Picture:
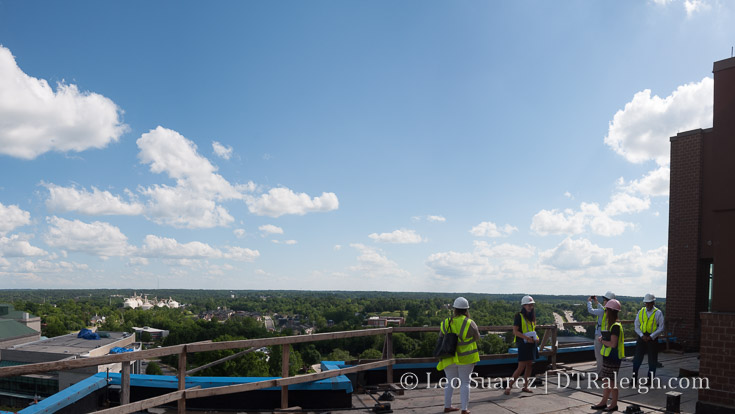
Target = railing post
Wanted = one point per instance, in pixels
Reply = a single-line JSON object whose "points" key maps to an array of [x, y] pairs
{"points": [[285, 351], [182, 381], [389, 353], [125, 383], [554, 347]]}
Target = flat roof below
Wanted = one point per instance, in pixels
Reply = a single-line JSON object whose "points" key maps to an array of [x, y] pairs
{"points": [[70, 344]]}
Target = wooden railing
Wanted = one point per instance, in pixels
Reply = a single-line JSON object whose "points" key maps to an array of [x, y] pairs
{"points": [[183, 393]]}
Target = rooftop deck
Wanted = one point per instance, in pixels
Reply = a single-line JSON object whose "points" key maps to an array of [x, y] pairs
{"points": [[554, 396]]}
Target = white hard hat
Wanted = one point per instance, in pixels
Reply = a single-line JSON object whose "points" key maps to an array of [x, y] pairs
{"points": [[527, 300], [461, 303], [609, 295], [649, 298]]}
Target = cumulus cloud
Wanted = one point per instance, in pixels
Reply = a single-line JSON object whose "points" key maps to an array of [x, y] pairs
{"points": [[504, 250], [267, 229], [222, 151], [641, 130], [288, 242], [576, 254], [37, 119], [655, 183], [12, 217], [96, 238], [239, 233], [438, 219], [17, 246], [372, 263], [590, 217], [193, 202], [490, 229], [169, 248], [486, 261], [95, 203], [280, 201], [695, 6], [398, 236], [183, 208]]}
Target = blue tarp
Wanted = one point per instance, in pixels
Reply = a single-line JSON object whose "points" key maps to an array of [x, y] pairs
{"points": [[119, 350], [87, 334]]}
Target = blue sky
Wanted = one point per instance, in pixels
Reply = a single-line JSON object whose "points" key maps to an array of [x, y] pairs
{"points": [[491, 147]]}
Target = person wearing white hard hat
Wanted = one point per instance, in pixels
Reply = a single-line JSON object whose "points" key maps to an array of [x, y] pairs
{"points": [[462, 363], [649, 324], [524, 327], [598, 309], [613, 352]]}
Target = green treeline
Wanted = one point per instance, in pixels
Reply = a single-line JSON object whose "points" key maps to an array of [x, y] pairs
{"points": [[64, 311]]}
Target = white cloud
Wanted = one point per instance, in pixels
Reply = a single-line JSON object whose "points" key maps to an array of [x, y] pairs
{"points": [[439, 219], [270, 229], [169, 152], [222, 151], [96, 238], [94, 203], [239, 233], [590, 216], [504, 251], [641, 130], [16, 246], [372, 263], [288, 242], [398, 236], [241, 254], [12, 217], [567, 194], [460, 265], [490, 229], [655, 183], [37, 120], [576, 254], [155, 246], [193, 202], [622, 203], [694, 6], [183, 208], [138, 261], [280, 201], [337, 247]]}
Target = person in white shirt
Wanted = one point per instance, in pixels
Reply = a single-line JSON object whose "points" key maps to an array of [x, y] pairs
{"points": [[649, 324], [598, 309]]}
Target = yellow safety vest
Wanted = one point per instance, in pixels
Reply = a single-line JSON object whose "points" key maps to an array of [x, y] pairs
{"points": [[603, 327], [526, 327], [467, 352], [605, 351], [648, 325]]}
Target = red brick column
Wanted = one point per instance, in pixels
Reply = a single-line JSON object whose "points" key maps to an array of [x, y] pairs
{"points": [[717, 362], [683, 267]]}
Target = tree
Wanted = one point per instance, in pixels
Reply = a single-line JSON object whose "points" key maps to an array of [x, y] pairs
{"points": [[153, 369], [339, 355], [371, 354]]}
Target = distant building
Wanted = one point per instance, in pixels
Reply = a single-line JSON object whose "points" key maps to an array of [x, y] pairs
{"points": [[156, 334], [8, 312], [15, 391], [384, 321], [700, 311]]}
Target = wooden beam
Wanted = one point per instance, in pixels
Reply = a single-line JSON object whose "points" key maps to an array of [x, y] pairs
{"points": [[285, 351], [389, 351], [143, 404], [125, 384], [219, 361], [182, 381]]}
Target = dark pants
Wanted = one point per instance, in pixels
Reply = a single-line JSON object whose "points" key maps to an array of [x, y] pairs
{"points": [[642, 348]]}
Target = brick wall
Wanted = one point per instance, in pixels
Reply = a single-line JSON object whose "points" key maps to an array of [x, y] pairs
{"points": [[683, 268], [717, 358]]}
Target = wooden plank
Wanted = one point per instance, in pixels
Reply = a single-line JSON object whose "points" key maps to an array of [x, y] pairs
{"points": [[143, 404], [87, 362], [296, 339], [285, 351], [125, 384], [231, 389], [389, 351], [219, 361], [182, 381]]}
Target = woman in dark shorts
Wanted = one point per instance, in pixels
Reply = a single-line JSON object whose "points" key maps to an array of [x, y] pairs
{"points": [[524, 327], [613, 351]]}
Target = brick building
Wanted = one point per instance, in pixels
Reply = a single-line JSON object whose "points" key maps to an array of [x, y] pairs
{"points": [[701, 263]]}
